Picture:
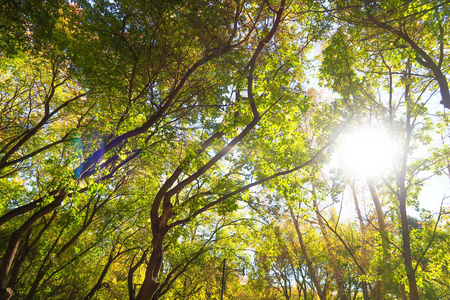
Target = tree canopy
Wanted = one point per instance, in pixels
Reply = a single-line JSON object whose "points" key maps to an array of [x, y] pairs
{"points": [[156, 149]]}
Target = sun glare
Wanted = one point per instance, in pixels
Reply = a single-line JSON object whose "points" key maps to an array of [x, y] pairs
{"points": [[367, 152]]}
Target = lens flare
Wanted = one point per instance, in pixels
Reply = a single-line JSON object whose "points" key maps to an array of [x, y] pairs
{"points": [[77, 159], [368, 152]]}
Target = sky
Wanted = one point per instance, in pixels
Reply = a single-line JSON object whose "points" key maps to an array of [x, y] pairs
{"points": [[435, 189]]}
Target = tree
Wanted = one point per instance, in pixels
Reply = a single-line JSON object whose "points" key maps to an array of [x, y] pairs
{"points": [[393, 70], [132, 131], [148, 83], [421, 31]]}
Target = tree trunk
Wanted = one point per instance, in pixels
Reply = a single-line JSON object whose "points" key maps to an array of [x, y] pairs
{"points": [[10, 252], [6, 294], [151, 284], [377, 290], [45, 265], [99, 284], [402, 194], [364, 255], [133, 268], [426, 61], [334, 263], [407, 256], [311, 270]]}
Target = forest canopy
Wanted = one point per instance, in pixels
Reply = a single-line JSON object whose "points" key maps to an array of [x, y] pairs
{"points": [[158, 149]]}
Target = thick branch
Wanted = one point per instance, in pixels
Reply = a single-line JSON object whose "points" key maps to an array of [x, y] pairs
{"points": [[256, 183], [427, 61]]}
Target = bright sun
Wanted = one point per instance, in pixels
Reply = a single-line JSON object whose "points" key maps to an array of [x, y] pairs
{"points": [[367, 151]]}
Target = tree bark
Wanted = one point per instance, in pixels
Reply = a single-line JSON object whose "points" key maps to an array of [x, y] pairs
{"points": [[99, 283], [365, 259], [151, 284], [159, 219], [311, 270], [133, 268], [11, 250], [427, 61], [406, 247], [378, 290], [6, 294], [334, 263], [403, 191]]}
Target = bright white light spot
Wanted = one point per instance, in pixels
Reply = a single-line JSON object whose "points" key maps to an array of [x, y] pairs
{"points": [[368, 151], [243, 279]]}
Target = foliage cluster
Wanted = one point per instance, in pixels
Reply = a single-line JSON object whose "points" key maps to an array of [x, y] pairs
{"points": [[143, 143]]}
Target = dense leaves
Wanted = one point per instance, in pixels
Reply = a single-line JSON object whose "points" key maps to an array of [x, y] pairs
{"points": [[146, 144]]}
